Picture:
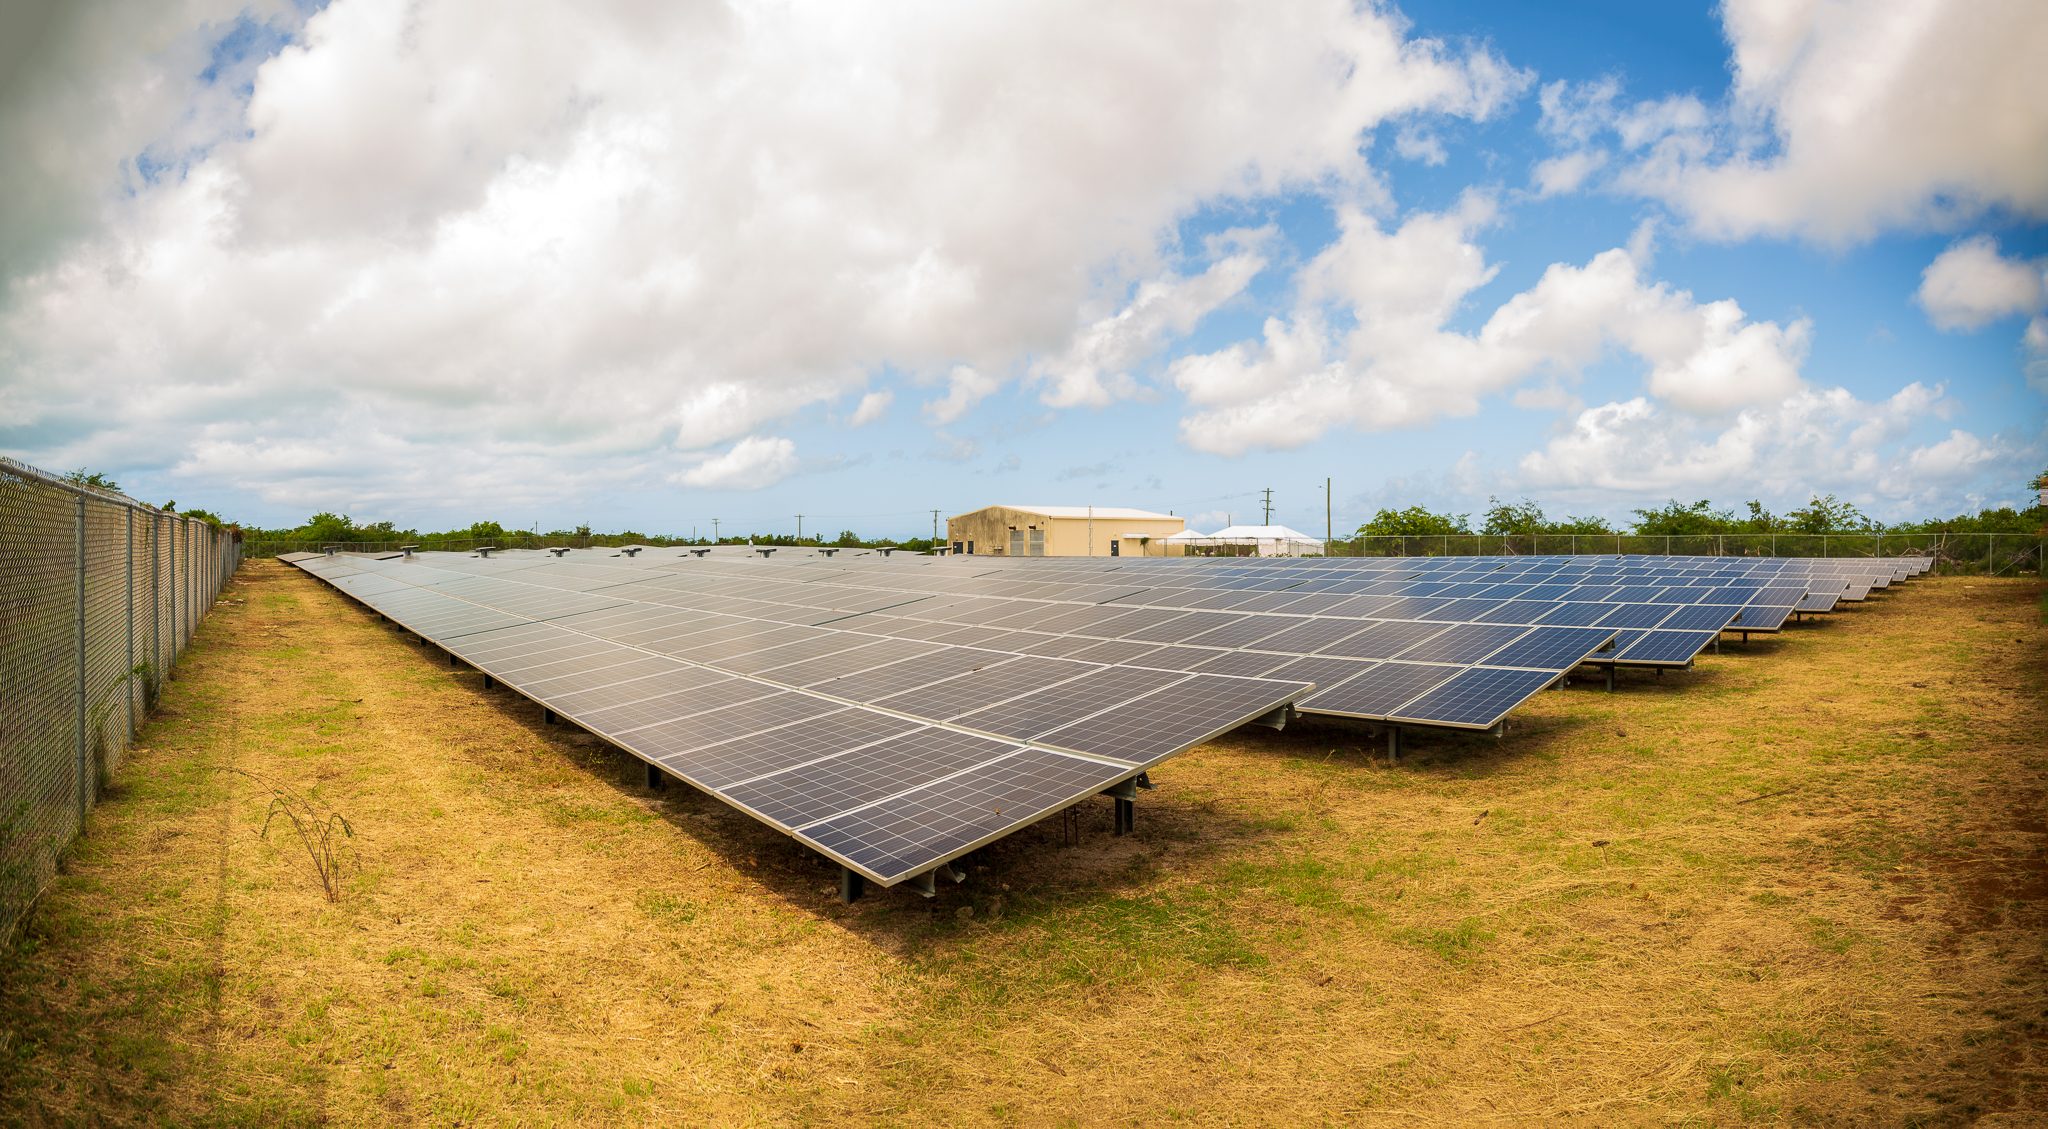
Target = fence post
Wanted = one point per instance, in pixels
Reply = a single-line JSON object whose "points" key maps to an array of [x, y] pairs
{"points": [[128, 673], [1823, 544], [156, 599], [1667, 544], [1990, 553], [78, 610]]}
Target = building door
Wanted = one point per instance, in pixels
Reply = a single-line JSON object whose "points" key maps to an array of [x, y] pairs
{"points": [[1016, 542], [1037, 541], [959, 547], [1116, 547]]}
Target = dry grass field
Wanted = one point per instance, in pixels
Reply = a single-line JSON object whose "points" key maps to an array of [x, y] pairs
{"points": [[1805, 882]]}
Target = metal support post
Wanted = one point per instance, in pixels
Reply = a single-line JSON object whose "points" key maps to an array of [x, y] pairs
{"points": [[1610, 678], [78, 621], [489, 682], [547, 716], [1393, 744], [156, 600], [1126, 816], [656, 778], [128, 672], [851, 886]]}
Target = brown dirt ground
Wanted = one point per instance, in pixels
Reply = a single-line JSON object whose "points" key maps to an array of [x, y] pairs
{"points": [[1807, 881]]}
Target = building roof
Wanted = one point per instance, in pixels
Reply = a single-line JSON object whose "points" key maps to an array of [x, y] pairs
{"points": [[1262, 533], [1100, 513]]}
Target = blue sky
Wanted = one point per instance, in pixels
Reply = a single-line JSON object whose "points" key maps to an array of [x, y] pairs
{"points": [[647, 270]]}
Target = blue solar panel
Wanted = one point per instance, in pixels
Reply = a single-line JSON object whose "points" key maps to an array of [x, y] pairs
{"points": [[1665, 648], [1465, 643], [1552, 648], [1700, 617], [1761, 617], [1379, 690], [1475, 698], [1582, 613], [1634, 615]]}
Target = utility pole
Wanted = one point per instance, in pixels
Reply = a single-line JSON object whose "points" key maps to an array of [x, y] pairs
{"points": [[714, 531], [799, 529], [1327, 530], [1269, 505], [935, 529]]}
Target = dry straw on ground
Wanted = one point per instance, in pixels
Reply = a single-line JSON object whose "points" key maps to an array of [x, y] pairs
{"points": [[1804, 882]]}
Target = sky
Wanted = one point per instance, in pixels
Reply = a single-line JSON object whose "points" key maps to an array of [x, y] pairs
{"points": [[650, 265]]}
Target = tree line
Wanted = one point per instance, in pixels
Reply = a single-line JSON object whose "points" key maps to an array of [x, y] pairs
{"points": [[1821, 514]]}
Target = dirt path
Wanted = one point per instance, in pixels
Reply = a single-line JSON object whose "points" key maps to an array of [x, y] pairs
{"points": [[1804, 882]]}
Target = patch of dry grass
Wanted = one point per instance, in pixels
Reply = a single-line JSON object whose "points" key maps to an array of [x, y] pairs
{"points": [[1803, 882]]}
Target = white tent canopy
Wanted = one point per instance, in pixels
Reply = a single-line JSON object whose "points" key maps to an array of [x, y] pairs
{"points": [[1268, 540]]}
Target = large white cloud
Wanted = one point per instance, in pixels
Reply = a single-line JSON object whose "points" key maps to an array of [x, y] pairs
{"points": [[753, 463], [616, 229], [1369, 345], [1848, 117], [1813, 441], [1971, 284]]}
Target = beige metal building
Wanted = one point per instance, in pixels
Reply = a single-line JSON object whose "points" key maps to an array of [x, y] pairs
{"points": [[1063, 531]]}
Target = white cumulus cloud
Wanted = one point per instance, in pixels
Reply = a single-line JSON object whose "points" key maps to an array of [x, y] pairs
{"points": [[1971, 285], [620, 230], [1846, 118], [1369, 347], [1814, 441], [872, 407], [752, 463]]}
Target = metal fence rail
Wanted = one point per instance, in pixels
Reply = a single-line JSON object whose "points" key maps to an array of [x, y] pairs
{"points": [[98, 595]]}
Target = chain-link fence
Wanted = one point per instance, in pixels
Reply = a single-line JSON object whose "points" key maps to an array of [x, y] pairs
{"points": [[98, 595], [514, 539], [1980, 554]]}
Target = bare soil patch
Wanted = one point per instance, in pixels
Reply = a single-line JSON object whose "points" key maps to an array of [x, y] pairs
{"points": [[1807, 881]]}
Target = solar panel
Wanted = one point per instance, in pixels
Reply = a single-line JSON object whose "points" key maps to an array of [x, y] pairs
{"points": [[824, 788], [982, 642], [882, 681], [892, 838], [776, 750], [1699, 617], [985, 687], [1636, 615], [1664, 648], [1552, 648], [1046, 710], [1379, 690], [1384, 640], [668, 739], [1465, 643], [1474, 699], [1761, 617], [1147, 728]]}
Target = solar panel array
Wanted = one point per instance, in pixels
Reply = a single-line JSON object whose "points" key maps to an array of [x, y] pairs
{"points": [[894, 714], [888, 754]]}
